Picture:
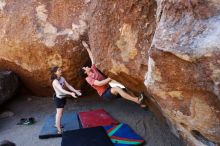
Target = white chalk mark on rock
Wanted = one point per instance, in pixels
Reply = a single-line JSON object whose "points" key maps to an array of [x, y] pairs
{"points": [[2, 4], [48, 33]]}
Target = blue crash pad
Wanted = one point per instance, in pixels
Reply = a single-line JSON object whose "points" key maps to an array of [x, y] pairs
{"points": [[69, 121]]}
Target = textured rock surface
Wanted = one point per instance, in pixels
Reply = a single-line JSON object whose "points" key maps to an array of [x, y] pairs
{"points": [[120, 35], [8, 85], [37, 34], [171, 51], [183, 67]]}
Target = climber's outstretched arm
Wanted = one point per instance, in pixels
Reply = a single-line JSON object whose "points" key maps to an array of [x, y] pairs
{"points": [[89, 51]]}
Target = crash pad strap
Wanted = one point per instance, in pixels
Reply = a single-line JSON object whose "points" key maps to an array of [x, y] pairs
{"points": [[121, 140], [114, 129]]}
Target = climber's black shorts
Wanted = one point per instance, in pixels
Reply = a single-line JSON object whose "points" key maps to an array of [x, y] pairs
{"points": [[108, 95], [60, 102]]}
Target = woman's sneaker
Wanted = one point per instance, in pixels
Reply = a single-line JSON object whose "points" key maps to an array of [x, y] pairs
{"points": [[60, 132]]}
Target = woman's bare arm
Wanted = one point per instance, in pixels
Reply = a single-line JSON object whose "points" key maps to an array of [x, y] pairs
{"points": [[72, 89], [59, 87]]}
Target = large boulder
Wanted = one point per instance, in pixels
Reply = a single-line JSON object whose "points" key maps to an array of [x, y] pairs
{"points": [[184, 67], [170, 50], [8, 85], [120, 36], [38, 34]]}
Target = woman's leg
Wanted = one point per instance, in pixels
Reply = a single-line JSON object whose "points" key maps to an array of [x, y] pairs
{"points": [[117, 90], [59, 114]]}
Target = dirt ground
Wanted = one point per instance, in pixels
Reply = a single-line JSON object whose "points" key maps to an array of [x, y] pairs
{"points": [[143, 122]]}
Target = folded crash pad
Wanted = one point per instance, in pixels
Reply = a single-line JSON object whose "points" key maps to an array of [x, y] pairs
{"points": [[95, 136], [94, 118], [69, 122], [123, 135]]}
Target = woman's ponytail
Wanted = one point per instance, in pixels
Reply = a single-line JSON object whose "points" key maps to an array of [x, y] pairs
{"points": [[53, 71]]}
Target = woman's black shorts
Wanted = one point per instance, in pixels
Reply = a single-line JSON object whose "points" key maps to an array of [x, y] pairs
{"points": [[60, 102]]}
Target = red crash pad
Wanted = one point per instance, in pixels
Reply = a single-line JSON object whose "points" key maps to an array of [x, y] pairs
{"points": [[94, 118]]}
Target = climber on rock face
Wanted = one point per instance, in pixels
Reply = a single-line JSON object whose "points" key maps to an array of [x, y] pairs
{"points": [[101, 83]]}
